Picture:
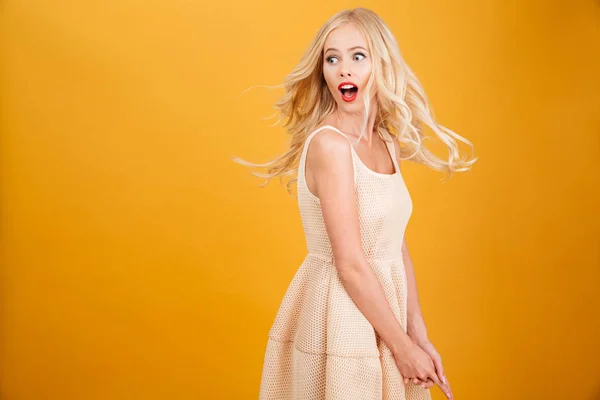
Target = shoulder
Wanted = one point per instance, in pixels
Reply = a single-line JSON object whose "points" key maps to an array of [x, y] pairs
{"points": [[331, 141], [329, 150]]}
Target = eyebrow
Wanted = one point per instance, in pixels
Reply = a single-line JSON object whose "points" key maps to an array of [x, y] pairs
{"points": [[350, 49]]}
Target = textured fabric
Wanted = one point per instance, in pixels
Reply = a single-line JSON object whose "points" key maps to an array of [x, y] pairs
{"points": [[320, 345]]}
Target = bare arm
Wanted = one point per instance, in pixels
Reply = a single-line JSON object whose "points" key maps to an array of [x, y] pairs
{"points": [[332, 176], [416, 328]]}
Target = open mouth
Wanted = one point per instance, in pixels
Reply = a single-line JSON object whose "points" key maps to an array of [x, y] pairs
{"points": [[349, 91]]}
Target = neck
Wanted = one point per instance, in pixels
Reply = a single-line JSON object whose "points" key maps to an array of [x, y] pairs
{"points": [[352, 123]]}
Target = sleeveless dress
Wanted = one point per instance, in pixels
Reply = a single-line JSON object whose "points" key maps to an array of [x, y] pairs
{"points": [[320, 345]]}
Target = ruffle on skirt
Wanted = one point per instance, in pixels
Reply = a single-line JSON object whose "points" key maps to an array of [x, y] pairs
{"points": [[321, 346]]}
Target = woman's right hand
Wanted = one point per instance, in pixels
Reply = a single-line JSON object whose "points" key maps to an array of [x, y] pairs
{"points": [[414, 362]]}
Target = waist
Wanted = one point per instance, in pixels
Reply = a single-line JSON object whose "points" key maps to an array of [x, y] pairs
{"points": [[327, 257]]}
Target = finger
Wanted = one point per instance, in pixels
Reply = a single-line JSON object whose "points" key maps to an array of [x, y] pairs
{"points": [[426, 384], [443, 387], [439, 368], [415, 381], [449, 389], [418, 382]]}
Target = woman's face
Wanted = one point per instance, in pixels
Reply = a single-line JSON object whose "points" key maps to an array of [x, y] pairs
{"points": [[346, 67]]}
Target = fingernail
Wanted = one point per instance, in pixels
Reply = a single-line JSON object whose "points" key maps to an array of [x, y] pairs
{"points": [[449, 395]]}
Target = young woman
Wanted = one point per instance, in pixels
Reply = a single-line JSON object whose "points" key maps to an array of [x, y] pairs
{"points": [[350, 326]]}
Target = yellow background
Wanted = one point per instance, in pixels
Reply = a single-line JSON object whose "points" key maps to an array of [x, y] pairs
{"points": [[139, 262]]}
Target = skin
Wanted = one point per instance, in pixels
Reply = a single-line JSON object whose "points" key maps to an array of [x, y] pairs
{"points": [[330, 176]]}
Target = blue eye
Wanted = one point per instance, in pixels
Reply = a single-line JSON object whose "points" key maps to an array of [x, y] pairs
{"points": [[331, 58], [360, 54]]}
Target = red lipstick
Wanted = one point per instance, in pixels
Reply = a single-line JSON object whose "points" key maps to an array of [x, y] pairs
{"points": [[349, 91]]}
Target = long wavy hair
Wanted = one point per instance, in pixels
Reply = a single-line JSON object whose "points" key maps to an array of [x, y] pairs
{"points": [[402, 106]]}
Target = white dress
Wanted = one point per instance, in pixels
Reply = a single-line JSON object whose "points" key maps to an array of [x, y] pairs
{"points": [[320, 345]]}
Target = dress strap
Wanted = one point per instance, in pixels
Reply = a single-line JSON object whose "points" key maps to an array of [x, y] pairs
{"points": [[392, 150], [333, 128]]}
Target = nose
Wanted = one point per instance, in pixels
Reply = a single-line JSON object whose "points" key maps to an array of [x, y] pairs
{"points": [[345, 71]]}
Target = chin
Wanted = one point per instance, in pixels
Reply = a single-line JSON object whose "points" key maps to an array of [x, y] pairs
{"points": [[353, 106]]}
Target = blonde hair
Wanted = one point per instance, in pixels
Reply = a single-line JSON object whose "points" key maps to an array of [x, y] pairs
{"points": [[402, 104]]}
